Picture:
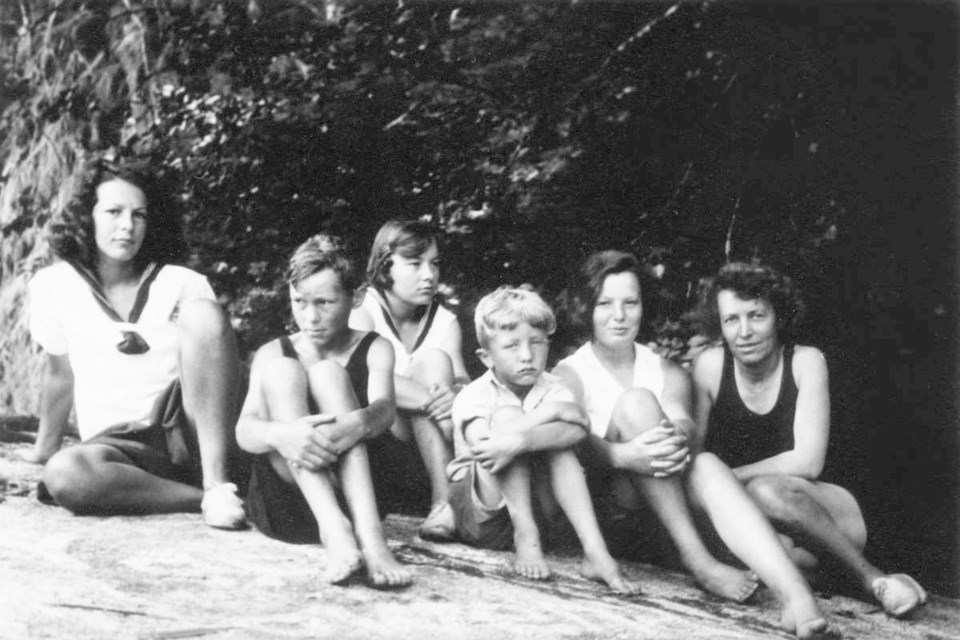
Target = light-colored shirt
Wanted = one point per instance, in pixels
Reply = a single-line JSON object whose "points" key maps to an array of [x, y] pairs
{"points": [[111, 387], [601, 390], [486, 394], [434, 334]]}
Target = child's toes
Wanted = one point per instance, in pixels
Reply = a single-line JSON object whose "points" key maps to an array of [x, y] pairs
{"points": [[391, 579]]}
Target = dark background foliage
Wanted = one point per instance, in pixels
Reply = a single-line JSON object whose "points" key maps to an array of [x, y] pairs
{"points": [[819, 137]]}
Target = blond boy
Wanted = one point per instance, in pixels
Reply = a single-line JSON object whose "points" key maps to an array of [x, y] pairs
{"points": [[514, 432]]}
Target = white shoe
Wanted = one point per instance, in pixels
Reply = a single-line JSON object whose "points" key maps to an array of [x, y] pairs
{"points": [[222, 508], [898, 593]]}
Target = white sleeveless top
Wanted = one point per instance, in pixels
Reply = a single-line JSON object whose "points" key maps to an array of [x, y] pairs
{"points": [[437, 326], [601, 390]]}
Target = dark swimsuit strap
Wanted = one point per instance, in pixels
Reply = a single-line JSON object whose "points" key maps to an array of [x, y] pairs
{"points": [[132, 343]]}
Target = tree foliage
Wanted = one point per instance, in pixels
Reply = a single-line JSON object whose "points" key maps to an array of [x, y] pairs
{"points": [[532, 133]]}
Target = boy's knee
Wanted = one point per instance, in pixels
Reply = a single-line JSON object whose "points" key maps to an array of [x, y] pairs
{"points": [[67, 476], [328, 375], [283, 373], [637, 410], [503, 415]]}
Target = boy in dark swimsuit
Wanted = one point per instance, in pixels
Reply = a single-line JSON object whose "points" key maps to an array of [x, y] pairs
{"points": [[315, 397], [763, 407]]}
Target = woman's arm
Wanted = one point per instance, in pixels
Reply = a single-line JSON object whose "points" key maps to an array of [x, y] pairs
{"points": [[707, 369], [811, 422], [56, 400], [453, 347]]}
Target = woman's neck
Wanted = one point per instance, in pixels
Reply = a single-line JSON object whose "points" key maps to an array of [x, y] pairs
{"points": [[614, 357], [763, 370], [114, 273], [401, 310]]}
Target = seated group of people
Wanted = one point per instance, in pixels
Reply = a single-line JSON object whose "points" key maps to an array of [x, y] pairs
{"points": [[368, 409]]}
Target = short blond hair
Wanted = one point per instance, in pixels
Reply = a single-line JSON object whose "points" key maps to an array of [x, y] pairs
{"points": [[506, 307]]}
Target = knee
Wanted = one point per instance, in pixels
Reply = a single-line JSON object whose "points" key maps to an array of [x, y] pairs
{"points": [[327, 374], [637, 410], [282, 375], [202, 317], [778, 497], [432, 366], [705, 467], [68, 477]]}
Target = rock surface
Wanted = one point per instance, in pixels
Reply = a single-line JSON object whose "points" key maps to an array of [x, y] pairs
{"points": [[163, 577]]}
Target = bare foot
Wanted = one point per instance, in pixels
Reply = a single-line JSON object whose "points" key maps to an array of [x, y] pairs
{"points": [[340, 567], [384, 571], [604, 568], [725, 581], [812, 623], [530, 562]]}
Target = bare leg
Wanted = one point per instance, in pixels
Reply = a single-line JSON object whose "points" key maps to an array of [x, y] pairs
{"points": [[570, 489], [330, 385], [210, 377], [515, 485], [751, 537], [99, 479], [827, 520], [637, 411], [432, 368], [285, 391]]}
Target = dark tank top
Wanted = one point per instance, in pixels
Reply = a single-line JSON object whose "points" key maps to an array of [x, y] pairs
{"points": [[737, 435], [356, 367]]}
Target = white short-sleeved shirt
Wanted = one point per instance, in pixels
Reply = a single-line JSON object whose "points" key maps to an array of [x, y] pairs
{"points": [[436, 329], [483, 396], [601, 390], [111, 387]]}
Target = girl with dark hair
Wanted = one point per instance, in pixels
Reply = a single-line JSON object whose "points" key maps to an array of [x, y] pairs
{"points": [[640, 408], [403, 274], [142, 351]]}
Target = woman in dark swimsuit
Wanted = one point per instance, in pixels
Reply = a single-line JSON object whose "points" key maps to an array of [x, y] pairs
{"points": [[763, 407]]}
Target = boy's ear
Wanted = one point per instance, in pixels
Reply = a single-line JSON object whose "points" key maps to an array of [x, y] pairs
{"points": [[358, 295], [484, 358]]}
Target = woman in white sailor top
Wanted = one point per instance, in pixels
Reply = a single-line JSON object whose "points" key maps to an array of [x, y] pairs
{"points": [[143, 352], [401, 304]]}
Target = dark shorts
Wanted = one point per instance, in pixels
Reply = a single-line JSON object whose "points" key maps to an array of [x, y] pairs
{"points": [[167, 448], [278, 509]]}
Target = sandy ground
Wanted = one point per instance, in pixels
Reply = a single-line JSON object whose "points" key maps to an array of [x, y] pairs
{"points": [[162, 577]]}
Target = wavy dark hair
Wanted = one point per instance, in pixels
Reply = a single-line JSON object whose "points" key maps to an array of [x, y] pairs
{"points": [[753, 282], [72, 235], [409, 238], [579, 300]]}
